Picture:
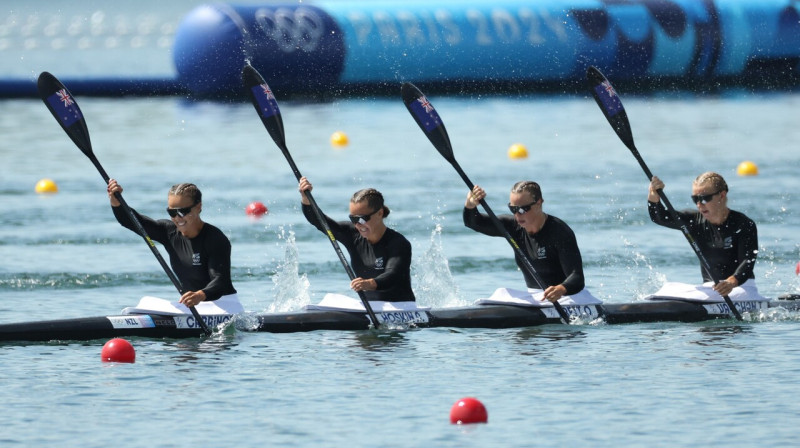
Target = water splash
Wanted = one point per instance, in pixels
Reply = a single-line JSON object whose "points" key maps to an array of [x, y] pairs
{"points": [[434, 285], [773, 314], [648, 284], [643, 277], [248, 37], [291, 288], [774, 260]]}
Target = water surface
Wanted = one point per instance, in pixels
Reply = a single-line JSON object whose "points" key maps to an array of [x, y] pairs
{"points": [[706, 384]]}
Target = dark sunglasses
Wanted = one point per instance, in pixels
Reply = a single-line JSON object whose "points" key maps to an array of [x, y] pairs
{"points": [[704, 198], [521, 209], [361, 219], [182, 212]]}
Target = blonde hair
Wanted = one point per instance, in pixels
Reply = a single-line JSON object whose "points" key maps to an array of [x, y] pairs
{"points": [[714, 179], [187, 189]]}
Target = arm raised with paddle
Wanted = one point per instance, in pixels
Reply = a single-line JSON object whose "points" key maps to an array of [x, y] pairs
{"points": [[609, 102], [730, 236], [65, 110], [431, 124], [267, 107]]}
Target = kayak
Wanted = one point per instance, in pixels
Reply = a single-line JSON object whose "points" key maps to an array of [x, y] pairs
{"points": [[482, 316]]}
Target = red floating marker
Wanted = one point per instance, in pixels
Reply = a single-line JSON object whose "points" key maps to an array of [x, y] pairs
{"points": [[797, 269], [256, 209], [468, 410], [118, 350]]}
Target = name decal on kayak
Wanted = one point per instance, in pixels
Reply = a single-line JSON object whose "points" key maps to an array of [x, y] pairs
{"points": [[582, 311], [133, 321], [182, 322], [189, 321], [743, 307], [402, 317]]}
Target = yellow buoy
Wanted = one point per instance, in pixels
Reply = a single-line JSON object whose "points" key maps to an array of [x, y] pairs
{"points": [[517, 151], [339, 139], [747, 168], [46, 186]]}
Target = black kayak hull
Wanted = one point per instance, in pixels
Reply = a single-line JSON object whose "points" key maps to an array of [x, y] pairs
{"points": [[87, 328], [485, 316], [497, 316]]}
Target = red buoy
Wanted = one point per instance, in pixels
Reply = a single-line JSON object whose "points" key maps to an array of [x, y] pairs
{"points": [[468, 410], [797, 268], [256, 209], [118, 350]]}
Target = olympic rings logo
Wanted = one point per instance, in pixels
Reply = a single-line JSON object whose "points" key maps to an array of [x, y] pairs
{"points": [[291, 29]]}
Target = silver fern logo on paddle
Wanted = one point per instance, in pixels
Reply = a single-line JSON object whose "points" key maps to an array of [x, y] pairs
{"points": [[196, 259], [379, 263]]}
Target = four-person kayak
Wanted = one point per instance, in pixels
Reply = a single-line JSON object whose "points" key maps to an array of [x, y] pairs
{"points": [[478, 316]]}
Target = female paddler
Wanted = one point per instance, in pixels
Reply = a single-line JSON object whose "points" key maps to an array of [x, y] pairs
{"points": [[199, 253], [547, 240], [727, 238], [380, 256]]}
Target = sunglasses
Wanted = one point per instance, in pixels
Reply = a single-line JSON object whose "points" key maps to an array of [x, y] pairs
{"points": [[521, 209], [361, 219], [182, 212], [704, 198]]}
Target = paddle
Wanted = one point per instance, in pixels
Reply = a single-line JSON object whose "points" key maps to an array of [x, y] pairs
{"points": [[267, 107], [431, 124], [65, 109], [611, 105]]}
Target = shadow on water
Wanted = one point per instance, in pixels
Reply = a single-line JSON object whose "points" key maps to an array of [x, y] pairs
{"points": [[191, 350], [381, 340], [721, 335], [540, 339]]}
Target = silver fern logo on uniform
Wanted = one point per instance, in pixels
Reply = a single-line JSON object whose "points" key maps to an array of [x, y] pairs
{"points": [[379, 263], [541, 253], [196, 259], [727, 242]]}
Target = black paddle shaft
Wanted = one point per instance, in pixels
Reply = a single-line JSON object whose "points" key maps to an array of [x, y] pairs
{"points": [[267, 107], [65, 109], [431, 124], [611, 105]]}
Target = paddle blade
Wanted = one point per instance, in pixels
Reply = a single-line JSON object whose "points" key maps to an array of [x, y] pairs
{"points": [[428, 119], [65, 110], [611, 105], [265, 103]]}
